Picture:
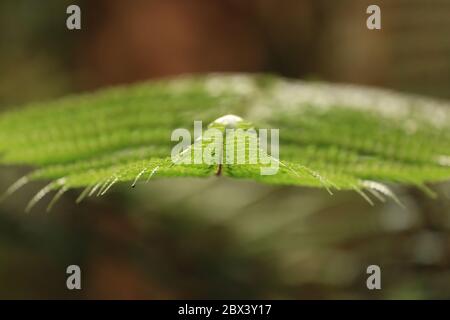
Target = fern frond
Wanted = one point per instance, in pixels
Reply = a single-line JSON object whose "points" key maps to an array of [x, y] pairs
{"points": [[331, 136]]}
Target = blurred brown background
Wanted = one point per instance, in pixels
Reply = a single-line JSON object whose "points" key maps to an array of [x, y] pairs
{"points": [[217, 238]]}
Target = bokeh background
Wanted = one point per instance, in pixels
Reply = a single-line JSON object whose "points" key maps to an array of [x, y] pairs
{"points": [[219, 238]]}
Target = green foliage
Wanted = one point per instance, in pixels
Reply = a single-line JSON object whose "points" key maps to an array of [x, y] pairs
{"points": [[331, 136]]}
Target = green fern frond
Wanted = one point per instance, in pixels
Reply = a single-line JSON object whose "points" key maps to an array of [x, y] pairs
{"points": [[331, 136]]}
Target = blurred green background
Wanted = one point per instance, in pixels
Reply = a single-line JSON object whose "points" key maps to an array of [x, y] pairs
{"points": [[220, 238]]}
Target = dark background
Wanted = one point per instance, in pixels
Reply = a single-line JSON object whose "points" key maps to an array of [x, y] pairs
{"points": [[218, 238]]}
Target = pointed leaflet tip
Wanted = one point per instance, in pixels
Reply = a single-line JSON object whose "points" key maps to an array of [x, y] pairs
{"points": [[152, 173], [137, 177], [84, 194], [14, 187], [364, 195], [109, 186], [96, 186], [56, 198], [43, 192], [378, 187], [377, 195]]}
